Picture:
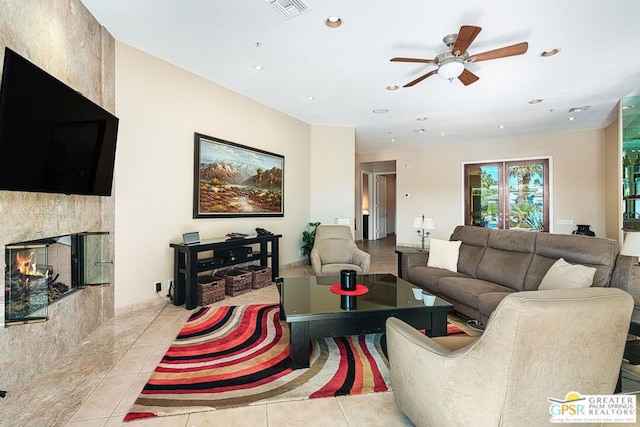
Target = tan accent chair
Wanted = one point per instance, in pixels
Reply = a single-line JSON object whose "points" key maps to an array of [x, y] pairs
{"points": [[334, 249], [537, 345]]}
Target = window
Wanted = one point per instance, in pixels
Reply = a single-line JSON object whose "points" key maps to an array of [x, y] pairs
{"points": [[508, 195]]}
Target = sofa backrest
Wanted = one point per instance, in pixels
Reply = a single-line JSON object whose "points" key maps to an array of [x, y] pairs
{"points": [[474, 242], [507, 258], [520, 259], [597, 252]]}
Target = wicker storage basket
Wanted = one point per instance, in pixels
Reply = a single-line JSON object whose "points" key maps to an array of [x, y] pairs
{"points": [[237, 282], [260, 276], [210, 289]]}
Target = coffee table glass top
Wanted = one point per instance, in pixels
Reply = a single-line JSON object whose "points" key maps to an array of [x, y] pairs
{"points": [[309, 296]]}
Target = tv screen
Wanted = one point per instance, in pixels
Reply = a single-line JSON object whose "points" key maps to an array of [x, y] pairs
{"points": [[52, 139]]}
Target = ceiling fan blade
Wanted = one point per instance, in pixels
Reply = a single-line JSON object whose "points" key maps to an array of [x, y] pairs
{"points": [[467, 77], [425, 61], [516, 49], [421, 78], [466, 36]]}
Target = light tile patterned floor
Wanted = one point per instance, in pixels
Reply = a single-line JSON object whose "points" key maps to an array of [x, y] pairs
{"points": [[97, 384]]}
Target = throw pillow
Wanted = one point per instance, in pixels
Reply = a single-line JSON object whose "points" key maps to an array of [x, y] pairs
{"points": [[563, 275], [444, 254]]}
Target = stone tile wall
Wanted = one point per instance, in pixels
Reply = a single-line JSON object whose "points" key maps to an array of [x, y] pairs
{"points": [[63, 38]]}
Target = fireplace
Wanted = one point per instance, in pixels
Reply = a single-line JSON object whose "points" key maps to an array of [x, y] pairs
{"points": [[40, 272]]}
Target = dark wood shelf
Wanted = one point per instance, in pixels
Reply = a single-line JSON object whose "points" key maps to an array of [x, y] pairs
{"points": [[187, 265]]}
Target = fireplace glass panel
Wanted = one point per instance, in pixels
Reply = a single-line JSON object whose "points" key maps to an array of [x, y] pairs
{"points": [[40, 272], [37, 274], [96, 261]]}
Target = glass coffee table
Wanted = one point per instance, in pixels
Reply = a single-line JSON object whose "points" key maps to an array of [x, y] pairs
{"points": [[314, 311]]}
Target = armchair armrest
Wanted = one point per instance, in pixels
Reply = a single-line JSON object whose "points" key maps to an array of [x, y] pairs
{"points": [[361, 258], [316, 264], [452, 379]]}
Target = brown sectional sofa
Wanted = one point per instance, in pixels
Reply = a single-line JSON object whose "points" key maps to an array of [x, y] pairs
{"points": [[493, 263]]}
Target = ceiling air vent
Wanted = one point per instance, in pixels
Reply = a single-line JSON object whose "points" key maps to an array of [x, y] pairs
{"points": [[579, 109], [289, 8]]}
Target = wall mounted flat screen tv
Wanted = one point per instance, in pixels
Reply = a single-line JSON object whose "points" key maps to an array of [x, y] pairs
{"points": [[52, 139]]}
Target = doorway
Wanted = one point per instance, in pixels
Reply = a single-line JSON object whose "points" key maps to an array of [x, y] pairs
{"points": [[378, 199], [508, 194]]}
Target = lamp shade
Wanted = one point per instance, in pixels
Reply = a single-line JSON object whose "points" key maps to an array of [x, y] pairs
{"points": [[631, 245], [423, 223], [451, 69]]}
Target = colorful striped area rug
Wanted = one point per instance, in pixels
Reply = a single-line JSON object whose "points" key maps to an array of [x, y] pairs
{"points": [[234, 356], [239, 355]]}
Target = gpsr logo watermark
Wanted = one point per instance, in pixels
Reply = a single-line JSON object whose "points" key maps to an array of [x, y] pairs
{"points": [[574, 408]]}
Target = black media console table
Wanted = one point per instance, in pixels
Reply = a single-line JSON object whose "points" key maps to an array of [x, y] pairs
{"points": [[186, 264]]}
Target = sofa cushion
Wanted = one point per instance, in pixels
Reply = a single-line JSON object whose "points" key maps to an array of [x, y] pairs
{"points": [[428, 277], [474, 242], [507, 258], [563, 275], [444, 254], [467, 290]]}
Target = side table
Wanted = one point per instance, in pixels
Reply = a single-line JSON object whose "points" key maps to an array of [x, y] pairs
{"points": [[401, 250], [632, 348]]}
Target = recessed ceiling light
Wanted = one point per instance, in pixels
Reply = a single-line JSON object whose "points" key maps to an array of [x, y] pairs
{"points": [[421, 119], [442, 134], [549, 52], [393, 140], [392, 87], [571, 119], [501, 127], [258, 67], [380, 111], [309, 98], [333, 22], [535, 101]]}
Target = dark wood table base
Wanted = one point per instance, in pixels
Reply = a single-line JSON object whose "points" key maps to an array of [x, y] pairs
{"points": [[301, 333]]}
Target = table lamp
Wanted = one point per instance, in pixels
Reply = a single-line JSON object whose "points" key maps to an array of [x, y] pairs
{"points": [[631, 248], [424, 226], [631, 245]]}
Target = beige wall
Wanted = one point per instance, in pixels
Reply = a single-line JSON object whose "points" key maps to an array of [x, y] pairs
{"points": [[332, 174], [62, 38], [433, 177], [160, 107]]}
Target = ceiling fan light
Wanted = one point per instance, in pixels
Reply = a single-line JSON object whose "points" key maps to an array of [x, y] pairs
{"points": [[451, 69]]}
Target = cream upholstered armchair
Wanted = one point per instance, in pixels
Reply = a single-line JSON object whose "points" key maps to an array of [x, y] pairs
{"points": [[537, 345], [334, 249]]}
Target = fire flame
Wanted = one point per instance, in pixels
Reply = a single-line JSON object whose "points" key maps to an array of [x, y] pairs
{"points": [[26, 265]]}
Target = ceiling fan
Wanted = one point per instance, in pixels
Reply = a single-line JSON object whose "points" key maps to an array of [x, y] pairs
{"points": [[451, 63]]}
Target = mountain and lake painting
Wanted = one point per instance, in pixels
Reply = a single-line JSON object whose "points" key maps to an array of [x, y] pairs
{"points": [[233, 180]]}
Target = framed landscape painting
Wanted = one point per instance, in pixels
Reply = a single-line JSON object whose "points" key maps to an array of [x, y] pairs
{"points": [[233, 180]]}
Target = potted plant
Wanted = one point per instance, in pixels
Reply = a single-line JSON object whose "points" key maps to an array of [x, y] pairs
{"points": [[308, 239]]}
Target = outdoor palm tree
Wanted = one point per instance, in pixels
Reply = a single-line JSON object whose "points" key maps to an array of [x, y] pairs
{"points": [[523, 174]]}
